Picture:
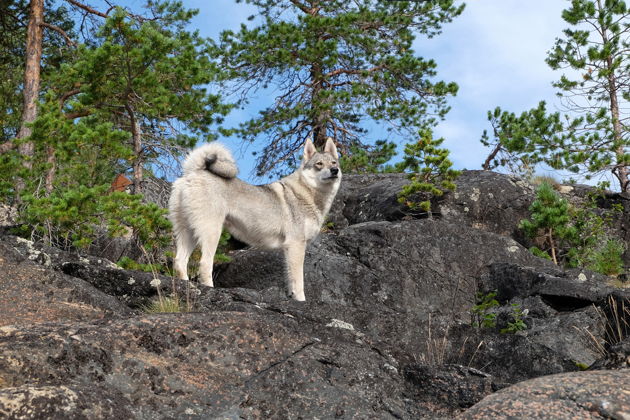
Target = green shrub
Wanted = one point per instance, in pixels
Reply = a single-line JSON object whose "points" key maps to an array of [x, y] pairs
{"points": [[482, 316], [71, 218], [517, 323], [572, 236]]}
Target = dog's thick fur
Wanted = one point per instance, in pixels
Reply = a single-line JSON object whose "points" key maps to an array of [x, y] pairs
{"points": [[285, 214]]}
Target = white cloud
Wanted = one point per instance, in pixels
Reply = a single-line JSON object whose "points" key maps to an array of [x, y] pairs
{"points": [[495, 51]]}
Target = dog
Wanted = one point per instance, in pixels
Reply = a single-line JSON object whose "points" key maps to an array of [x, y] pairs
{"points": [[285, 214]]}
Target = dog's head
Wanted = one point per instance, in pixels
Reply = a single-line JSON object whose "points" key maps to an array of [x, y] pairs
{"points": [[321, 167]]}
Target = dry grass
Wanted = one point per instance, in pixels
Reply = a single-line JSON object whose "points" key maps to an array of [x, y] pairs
{"points": [[616, 320], [166, 304], [174, 303], [438, 349]]}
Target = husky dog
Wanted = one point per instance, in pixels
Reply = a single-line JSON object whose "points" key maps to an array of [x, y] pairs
{"points": [[285, 214]]}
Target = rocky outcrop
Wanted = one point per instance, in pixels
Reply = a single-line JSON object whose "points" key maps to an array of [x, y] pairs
{"points": [[386, 331], [484, 200], [211, 365]]}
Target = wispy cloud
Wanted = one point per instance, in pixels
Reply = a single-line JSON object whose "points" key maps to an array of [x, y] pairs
{"points": [[496, 53]]}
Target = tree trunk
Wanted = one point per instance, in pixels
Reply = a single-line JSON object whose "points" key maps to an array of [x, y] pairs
{"points": [[621, 171], [491, 156], [31, 76], [136, 136], [319, 118]]}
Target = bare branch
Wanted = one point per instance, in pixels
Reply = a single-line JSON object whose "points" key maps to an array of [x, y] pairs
{"points": [[63, 33], [63, 98], [88, 8]]}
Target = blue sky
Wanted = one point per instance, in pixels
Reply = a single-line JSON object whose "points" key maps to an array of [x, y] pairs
{"points": [[494, 51]]}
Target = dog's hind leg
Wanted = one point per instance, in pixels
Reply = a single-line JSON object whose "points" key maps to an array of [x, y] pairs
{"points": [[294, 256], [209, 242], [185, 245]]}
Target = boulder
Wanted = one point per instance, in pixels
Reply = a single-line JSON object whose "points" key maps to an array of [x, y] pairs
{"points": [[30, 293], [579, 395], [210, 365], [362, 276], [485, 200]]}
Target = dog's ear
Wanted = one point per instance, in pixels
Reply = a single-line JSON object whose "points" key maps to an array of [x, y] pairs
{"points": [[309, 150], [331, 148]]}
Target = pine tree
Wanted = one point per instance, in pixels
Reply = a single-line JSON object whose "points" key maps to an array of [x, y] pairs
{"points": [[14, 15], [336, 64], [147, 78], [430, 170], [549, 222], [133, 95], [593, 137]]}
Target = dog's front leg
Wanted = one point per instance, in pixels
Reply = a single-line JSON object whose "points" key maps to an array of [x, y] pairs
{"points": [[294, 256]]}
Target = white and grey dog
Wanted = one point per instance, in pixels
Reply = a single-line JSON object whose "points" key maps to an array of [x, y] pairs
{"points": [[285, 214]]}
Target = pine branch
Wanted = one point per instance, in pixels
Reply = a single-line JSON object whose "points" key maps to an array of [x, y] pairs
{"points": [[63, 33], [88, 8]]}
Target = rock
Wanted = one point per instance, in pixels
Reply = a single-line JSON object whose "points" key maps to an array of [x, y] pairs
{"points": [[367, 198], [484, 200], [454, 387], [509, 358], [363, 276], [30, 293], [113, 249], [8, 215], [489, 201], [617, 356], [133, 288], [563, 290], [579, 395], [62, 402], [212, 365]]}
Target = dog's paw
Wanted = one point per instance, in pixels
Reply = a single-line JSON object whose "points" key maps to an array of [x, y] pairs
{"points": [[298, 296]]}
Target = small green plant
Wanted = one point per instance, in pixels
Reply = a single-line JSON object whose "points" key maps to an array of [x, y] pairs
{"points": [[549, 222], [220, 256], [482, 315], [429, 170], [517, 323], [608, 260], [581, 366]]}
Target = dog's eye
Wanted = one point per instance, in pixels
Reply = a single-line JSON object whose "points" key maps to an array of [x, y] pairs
{"points": [[334, 162], [319, 163]]}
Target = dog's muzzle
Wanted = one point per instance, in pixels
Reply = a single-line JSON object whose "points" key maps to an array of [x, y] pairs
{"points": [[334, 172]]}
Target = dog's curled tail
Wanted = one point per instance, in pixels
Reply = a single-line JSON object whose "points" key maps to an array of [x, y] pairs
{"points": [[212, 157]]}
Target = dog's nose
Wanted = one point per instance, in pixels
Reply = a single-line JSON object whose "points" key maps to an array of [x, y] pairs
{"points": [[334, 171]]}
